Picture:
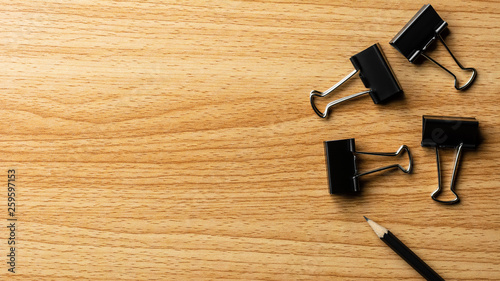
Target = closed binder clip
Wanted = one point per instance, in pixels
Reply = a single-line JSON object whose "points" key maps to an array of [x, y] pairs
{"points": [[419, 33], [343, 175], [454, 132], [376, 74]]}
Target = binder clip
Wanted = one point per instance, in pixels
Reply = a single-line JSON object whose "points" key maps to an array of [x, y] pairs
{"points": [[419, 33], [375, 73], [455, 132], [343, 175]]}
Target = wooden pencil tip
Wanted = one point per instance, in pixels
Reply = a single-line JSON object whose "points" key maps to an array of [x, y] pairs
{"points": [[367, 219], [379, 230]]}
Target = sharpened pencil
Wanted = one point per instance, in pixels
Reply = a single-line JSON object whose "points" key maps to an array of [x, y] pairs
{"points": [[404, 252]]}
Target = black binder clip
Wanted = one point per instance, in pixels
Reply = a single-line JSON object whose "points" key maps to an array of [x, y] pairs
{"points": [[343, 176], [456, 132], [419, 33], [376, 74]]}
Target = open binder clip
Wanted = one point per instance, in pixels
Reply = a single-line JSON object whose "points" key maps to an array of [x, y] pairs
{"points": [[376, 74], [457, 132], [419, 33], [343, 175]]}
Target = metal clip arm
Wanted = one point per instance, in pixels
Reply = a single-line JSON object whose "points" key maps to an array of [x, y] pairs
{"points": [[474, 71], [315, 93], [401, 149], [453, 177]]}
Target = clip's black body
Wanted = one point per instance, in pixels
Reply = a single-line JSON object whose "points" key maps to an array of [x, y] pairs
{"points": [[342, 169], [375, 73], [419, 33], [341, 166], [443, 131], [454, 132]]}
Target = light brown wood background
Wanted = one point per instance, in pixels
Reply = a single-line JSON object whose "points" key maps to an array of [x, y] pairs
{"points": [[174, 140]]}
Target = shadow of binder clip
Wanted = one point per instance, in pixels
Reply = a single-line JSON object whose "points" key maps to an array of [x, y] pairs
{"points": [[454, 132], [375, 73], [343, 175], [419, 33]]}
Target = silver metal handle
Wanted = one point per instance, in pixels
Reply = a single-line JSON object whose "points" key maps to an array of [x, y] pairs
{"points": [[474, 71], [315, 93], [401, 149], [453, 177]]}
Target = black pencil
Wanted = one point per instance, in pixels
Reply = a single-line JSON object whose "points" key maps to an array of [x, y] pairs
{"points": [[397, 246]]}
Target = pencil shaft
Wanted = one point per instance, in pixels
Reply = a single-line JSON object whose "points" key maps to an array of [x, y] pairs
{"points": [[410, 257]]}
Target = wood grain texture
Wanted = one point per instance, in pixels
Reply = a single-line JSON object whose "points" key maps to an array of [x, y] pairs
{"points": [[169, 140]]}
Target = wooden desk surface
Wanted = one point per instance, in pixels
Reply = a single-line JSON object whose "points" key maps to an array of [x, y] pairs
{"points": [[153, 140]]}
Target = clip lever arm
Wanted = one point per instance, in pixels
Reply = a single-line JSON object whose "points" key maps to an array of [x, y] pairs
{"points": [[400, 150], [473, 70], [453, 177], [315, 93]]}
